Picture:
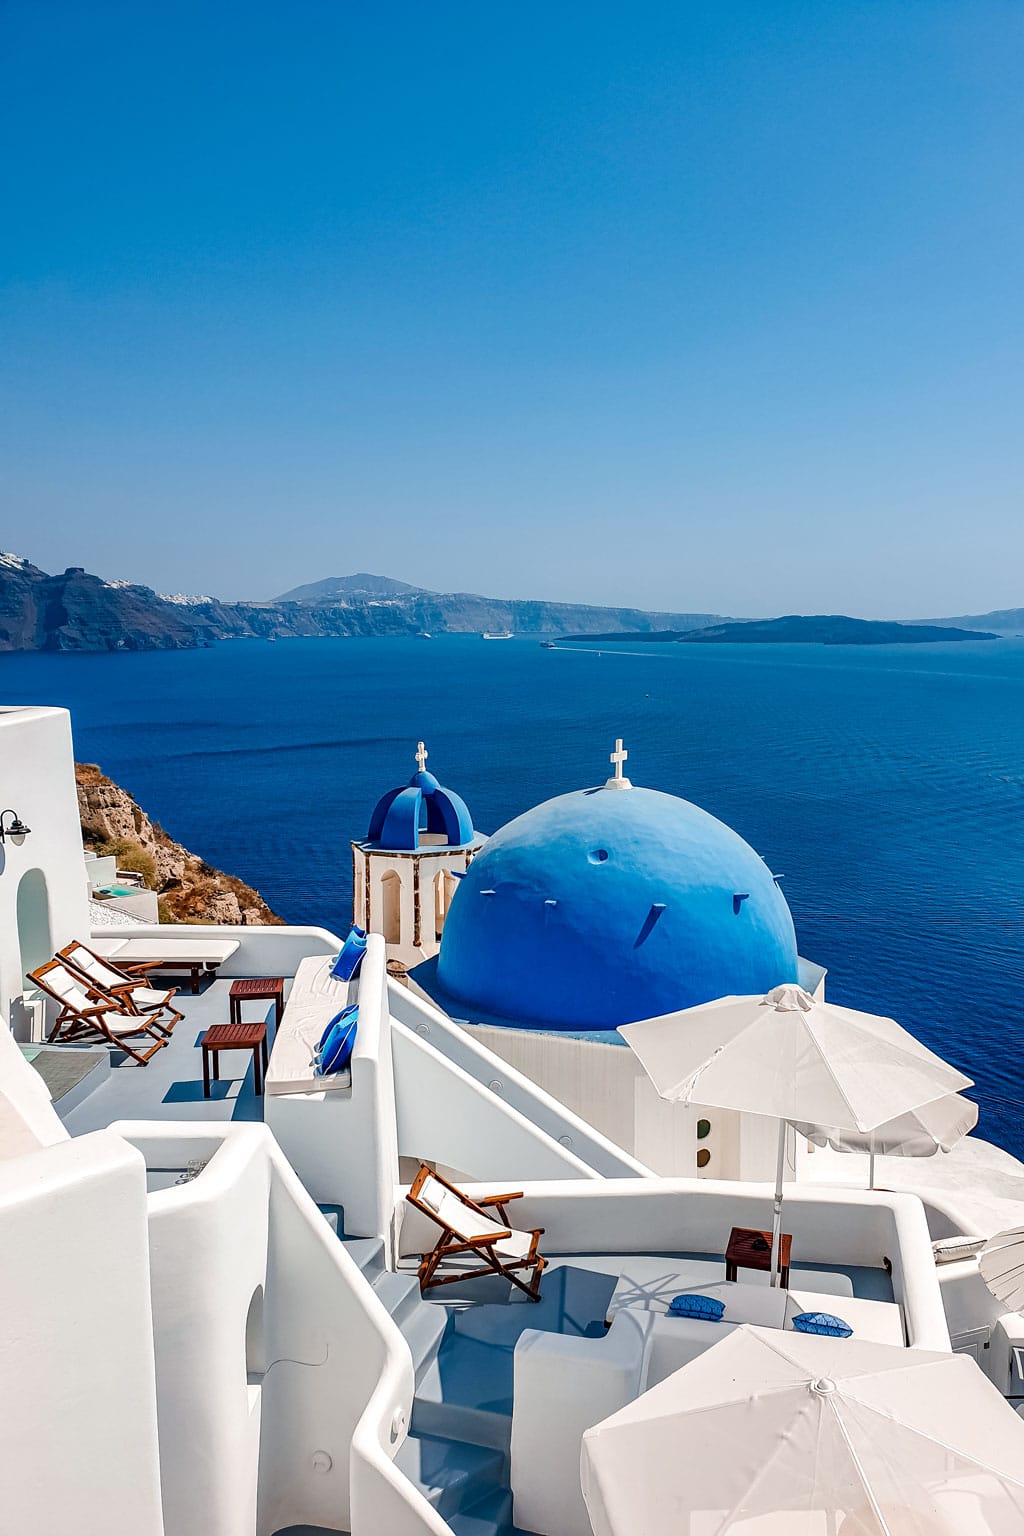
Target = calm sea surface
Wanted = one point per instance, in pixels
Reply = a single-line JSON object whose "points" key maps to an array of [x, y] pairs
{"points": [[887, 784]]}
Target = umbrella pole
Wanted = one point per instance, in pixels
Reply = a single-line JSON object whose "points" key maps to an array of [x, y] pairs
{"points": [[871, 1167], [777, 1214]]}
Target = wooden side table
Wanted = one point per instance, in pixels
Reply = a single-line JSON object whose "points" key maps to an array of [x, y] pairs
{"points": [[750, 1249], [234, 1037], [256, 989]]}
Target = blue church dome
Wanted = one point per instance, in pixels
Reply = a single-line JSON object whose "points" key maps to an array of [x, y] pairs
{"points": [[609, 905], [421, 809]]}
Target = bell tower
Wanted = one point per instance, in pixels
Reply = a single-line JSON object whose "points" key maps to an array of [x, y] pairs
{"points": [[405, 871]]}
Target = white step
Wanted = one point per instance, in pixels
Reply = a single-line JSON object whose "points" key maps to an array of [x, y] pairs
{"points": [[451, 1475]]}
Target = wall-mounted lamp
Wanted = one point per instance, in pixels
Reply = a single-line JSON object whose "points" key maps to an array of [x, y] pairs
{"points": [[13, 828]]}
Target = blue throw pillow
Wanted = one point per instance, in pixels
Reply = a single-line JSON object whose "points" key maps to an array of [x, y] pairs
{"points": [[334, 1052], [822, 1322], [351, 955], [339, 1018], [708, 1308]]}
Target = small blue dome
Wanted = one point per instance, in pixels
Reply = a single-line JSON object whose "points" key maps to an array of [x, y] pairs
{"points": [[423, 806], [609, 905]]}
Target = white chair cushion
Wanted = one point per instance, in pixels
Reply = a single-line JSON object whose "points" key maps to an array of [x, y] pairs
{"points": [[466, 1223], [102, 974], [119, 1023], [148, 997], [947, 1250]]}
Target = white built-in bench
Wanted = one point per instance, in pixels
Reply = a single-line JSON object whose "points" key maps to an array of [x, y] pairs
{"points": [[315, 997]]}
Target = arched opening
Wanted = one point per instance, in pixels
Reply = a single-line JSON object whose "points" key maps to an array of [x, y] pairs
{"points": [[255, 1348], [444, 889], [35, 940], [391, 906]]}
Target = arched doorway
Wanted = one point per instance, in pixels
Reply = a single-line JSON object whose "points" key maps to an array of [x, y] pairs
{"points": [[391, 906], [35, 940]]}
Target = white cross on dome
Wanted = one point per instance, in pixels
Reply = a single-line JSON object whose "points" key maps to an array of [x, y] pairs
{"points": [[421, 756], [618, 757]]}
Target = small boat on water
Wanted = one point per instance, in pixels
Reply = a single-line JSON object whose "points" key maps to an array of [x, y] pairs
{"points": [[547, 645], [506, 635], [424, 634]]}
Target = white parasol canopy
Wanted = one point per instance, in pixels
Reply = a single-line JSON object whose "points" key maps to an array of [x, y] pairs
{"points": [[793, 1058], [1002, 1267], [921, 1132], [782, 1434], [935, 1127]]}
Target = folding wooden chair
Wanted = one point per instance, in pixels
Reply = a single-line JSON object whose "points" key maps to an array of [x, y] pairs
{"points": [[468, 1232], [85, 1009], [134, 991]]}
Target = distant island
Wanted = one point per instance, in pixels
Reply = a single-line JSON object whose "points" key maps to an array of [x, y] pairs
{"points": [[78, 611], [804, 629]]}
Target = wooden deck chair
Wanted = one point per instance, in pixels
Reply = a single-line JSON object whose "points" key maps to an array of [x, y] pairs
{"points": [[133, 991], [86, 1009], [467, 1231]]}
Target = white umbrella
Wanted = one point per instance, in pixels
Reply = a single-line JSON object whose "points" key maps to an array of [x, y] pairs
{"points": [[795, 1059], [931, 1128], [1002, 1267], [783, 1432]]}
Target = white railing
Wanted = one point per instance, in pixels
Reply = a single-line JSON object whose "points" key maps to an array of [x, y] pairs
{"points": [[262, 951], [449, 1117], [510, 1088]]}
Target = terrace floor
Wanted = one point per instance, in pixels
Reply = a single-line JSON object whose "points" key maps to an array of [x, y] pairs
{"points": [[170, 1085]]}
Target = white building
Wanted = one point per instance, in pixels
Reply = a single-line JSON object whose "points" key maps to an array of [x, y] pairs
{"points": [[209, 1314]]}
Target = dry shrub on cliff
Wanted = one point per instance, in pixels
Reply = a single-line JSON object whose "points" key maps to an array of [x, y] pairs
{"points": [[90, 774]]}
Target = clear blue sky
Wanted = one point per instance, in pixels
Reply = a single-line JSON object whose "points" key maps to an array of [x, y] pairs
{"points": [[709, 306]]}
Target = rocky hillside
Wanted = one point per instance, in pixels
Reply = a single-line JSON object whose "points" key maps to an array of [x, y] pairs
{"points": [[190, 890], [80, 612]]}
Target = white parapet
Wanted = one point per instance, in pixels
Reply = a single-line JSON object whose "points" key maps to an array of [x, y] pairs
{"points": [[79, 1444], [285, 1389]]}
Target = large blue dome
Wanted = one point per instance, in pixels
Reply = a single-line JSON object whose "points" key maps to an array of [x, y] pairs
{"points": [[609, 905]]}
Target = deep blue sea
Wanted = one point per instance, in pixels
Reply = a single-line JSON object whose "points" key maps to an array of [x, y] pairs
{"points": [[886, 784]]}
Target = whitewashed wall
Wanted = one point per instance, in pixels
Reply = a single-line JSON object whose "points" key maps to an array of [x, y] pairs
{"points": [[78, 1433], [511, 1089], [285, 1389], [37, 780]]}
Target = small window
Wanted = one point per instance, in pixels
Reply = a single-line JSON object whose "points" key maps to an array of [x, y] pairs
{"points": [[703, 1129], [703, 1157]]}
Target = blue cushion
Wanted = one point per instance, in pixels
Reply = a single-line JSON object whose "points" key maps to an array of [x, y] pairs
{"points": [[334, 1052], [346, 1013], [351, 955], [822, 1322], [708, 1308]]}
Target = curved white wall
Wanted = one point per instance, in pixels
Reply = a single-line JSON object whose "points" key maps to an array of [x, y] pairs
{"points": [[284, 1413], [78, 1437], [37, 780]]}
